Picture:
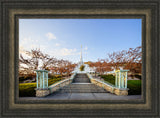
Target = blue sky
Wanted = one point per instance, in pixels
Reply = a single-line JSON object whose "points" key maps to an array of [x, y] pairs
{"points": [[62, 38]]}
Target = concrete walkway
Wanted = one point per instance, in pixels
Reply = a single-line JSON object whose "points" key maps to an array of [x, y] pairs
{"points": [[85, 96], [90, 96]]}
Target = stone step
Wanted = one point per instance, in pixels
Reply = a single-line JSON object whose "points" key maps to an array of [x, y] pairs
{"points": [[83, 88], [81, 91], [81, 84], [81, 78]]}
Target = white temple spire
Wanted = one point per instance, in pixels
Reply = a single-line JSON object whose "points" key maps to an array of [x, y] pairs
{"points": [[81, 60]]}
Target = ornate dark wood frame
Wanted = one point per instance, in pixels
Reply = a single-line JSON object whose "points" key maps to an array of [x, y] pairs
{"points": [[12, 10]]}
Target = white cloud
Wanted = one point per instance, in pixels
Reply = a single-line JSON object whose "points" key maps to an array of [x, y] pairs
{"points": [[57, 44], [62, 52], [33, 46], [66, 52], [27, 43], [21, 49], [50, 36]]}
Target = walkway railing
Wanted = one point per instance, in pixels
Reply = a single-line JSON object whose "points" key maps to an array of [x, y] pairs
{"points": [[120, 87], [41, 92], [108, 86], [56, 86]]}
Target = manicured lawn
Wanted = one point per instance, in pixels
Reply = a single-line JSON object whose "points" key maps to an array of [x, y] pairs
{"points": [[52, 81], [28, 89], [109, 78], [133, 85]]}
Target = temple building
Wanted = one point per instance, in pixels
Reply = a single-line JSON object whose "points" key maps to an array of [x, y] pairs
{"points": [[87, 69]]}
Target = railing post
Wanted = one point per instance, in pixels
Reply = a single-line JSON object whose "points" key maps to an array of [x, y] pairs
{"points": [[47, 79], [42, 83], [122, 80], [43, 80], [119, 79], [126, 81], [37, 78], [116, 80]]}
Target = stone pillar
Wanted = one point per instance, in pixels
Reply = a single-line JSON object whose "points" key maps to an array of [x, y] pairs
{"points": [[124, 78], [42, 83], [126, 81], [42, 92], [121, 82], [116, 80], [121, 91], [121, 78]]}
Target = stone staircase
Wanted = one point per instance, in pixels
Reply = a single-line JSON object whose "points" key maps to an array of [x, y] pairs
{"points": [[81, 84], [81, 78], [82, 88]]}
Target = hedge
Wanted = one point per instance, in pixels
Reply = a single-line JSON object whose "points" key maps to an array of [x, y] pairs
{"points": [[133, 85], [28, 89]]}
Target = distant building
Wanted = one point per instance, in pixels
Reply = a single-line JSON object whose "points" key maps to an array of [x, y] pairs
{"points": [[87, 69]]}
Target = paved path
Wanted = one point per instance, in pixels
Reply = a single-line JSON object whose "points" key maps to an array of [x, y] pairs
{"points": [[84, 96], [90, 96]]}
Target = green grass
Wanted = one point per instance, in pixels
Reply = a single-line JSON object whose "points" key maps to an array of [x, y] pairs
{"points": [[133, 85], [28, 89], [109, 78], [53, 80]]}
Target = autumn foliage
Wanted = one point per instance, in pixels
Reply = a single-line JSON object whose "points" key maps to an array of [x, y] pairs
{"points": [[35, 59], [130, 59], [127, 59]]}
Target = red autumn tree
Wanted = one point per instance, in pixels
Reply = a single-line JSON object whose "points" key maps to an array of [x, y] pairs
{"points": [[129, 59], [31, 60]]}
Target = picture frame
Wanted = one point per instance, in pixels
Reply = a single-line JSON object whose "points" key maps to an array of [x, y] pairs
{"points": [[11, 11]]}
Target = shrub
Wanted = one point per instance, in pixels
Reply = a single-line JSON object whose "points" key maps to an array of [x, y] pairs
{"points": [[28, 89], [53, 80], [58, 76], [22, 79], [132, 76], [135, 76], [138, 76], [133, 85], [54, 76], [109, 78], [50, 75]]}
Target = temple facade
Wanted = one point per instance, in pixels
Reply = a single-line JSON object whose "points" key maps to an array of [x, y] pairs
{"points": [[87, 69]]}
